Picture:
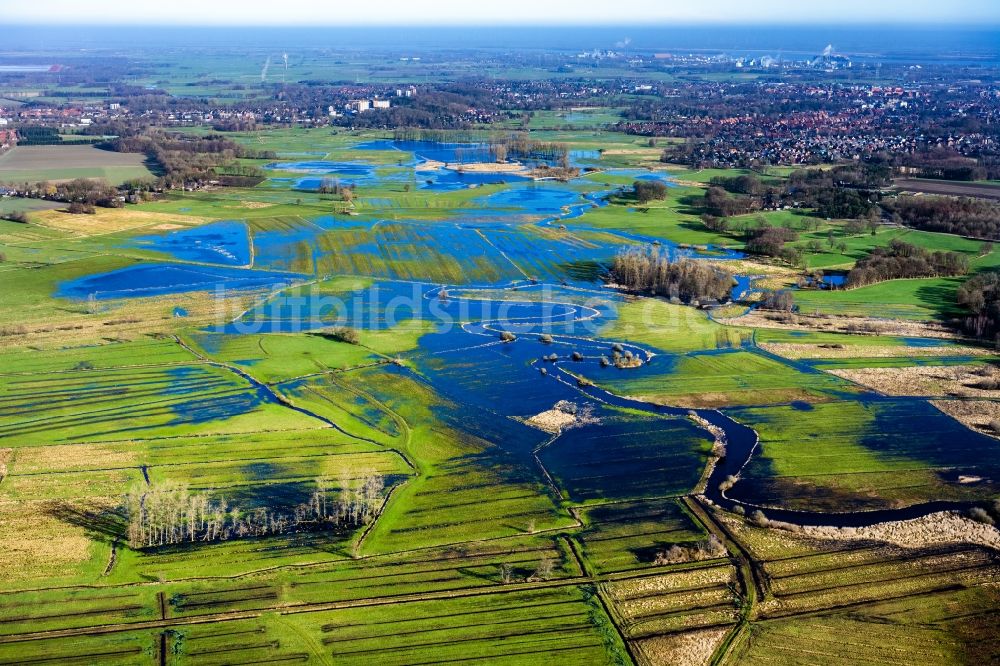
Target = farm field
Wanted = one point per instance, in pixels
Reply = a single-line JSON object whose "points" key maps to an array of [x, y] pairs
{"points": [[984, 189], [58, 163], [261, 425]]}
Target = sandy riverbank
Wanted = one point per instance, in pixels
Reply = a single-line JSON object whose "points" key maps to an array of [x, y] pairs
{"points": [[489, 167]]}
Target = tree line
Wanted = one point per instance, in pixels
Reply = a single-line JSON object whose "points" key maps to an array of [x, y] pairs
{"points": [[839, 192], [439, 136], [853, 193], [163, 514], [955, 215], [40, 135], [948, 164], [649, 270], [903, 260], [81, 193]]}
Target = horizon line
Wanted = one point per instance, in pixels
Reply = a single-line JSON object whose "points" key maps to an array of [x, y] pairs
{"points": [[979, 25]]}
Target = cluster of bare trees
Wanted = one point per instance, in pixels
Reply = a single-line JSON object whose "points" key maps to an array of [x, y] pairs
{"points": [[782, 300], [840, 192], [520, 146], [185, 160], [163, 514], [980, 297], [707, 549], [477, 153], [437, 135], [770, 242], [78, 208], [584, 414], [332, 185], [948, 164], [542, 572], [720, 204], [352, 502], [642, 269]]}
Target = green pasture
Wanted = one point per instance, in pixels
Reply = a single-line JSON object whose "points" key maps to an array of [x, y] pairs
{"points": [[54, 163], [918, 299]]}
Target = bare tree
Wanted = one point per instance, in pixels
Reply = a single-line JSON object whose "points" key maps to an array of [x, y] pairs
{"points": [[546, 565]]}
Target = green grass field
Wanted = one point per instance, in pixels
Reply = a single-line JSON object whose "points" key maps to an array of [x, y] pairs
{"points": [[57, 163], [921, 299]]}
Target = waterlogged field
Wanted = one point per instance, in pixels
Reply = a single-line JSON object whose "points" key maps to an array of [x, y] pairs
{"points": [[874, 455], [417, 428]]}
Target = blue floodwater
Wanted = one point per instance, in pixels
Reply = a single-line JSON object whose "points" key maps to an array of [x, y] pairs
{"points": [[225, 242], [333, 173], [160, 279], [449, 153], [304, 153], [627, 457], [449, 179], [924, 342], [487, 239], [742, 287], [532, 198], [444, 180], [658, 177], [388, 304], [829, 281], [180, 312], [324, 167]]}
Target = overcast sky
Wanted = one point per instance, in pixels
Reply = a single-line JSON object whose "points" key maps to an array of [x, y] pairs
{"points": [[446, 12]]}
